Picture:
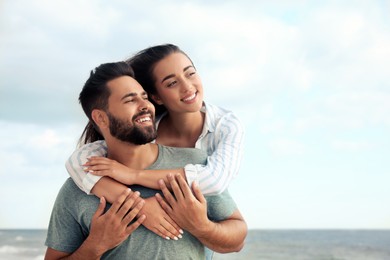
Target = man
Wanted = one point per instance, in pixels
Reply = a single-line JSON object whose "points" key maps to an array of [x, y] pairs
{"points": [[119, 108]]}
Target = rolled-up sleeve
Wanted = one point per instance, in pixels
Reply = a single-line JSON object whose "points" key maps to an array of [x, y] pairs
{"points": [[74, 165], [224, 161]]}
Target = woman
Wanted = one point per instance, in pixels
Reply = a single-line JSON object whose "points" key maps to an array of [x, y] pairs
{"points": [[183, 120]]}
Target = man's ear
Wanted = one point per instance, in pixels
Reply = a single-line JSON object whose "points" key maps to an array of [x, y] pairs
{"points": [[157, 99], [100, 118]]}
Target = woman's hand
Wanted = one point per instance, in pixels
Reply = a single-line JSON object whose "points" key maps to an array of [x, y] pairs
{"points": [[102, 166], [158, 221]]}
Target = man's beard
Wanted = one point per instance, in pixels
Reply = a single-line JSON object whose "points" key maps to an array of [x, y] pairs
{"points": [[131, 134]]}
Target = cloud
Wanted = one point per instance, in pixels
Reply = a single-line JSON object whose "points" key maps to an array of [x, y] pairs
{"points": [[34, 151], [243, 53], [287, 147], [352, 146]]}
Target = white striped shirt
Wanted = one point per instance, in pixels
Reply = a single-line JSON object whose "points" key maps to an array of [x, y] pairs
{"points": [[221, 137]]}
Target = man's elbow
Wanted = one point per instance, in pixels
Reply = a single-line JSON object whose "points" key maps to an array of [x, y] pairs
{"points": [[239, 247], [231, 249]]}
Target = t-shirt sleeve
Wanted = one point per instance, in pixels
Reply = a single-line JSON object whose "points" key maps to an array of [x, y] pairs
{"points": [[85, 181], [221, 206], [61, 235]]}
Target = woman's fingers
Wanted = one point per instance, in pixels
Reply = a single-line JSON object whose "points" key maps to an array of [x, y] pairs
{"points": [[175, 188], [133, 211], [119, 201], [167, 194], [183, 186]]}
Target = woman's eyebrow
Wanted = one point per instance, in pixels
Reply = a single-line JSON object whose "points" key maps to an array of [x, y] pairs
{"points": [[167, 77], [172, 75], [186, 68]]}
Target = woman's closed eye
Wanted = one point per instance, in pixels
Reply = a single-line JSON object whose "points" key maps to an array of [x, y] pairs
{"points": [[191, 73], [171, 84]]}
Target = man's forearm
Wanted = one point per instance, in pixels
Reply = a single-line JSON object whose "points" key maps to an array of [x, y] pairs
{"points": [[225, 236], [87, 250]]}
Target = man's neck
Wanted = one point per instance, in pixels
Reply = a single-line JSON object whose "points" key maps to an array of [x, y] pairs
{"points": [[136, 157]]}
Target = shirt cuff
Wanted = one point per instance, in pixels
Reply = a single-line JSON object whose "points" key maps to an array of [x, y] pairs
{"points": [[89, 181], [191, 173]]}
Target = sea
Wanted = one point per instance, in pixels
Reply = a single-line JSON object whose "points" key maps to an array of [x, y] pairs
{"points": [[22, 244]]}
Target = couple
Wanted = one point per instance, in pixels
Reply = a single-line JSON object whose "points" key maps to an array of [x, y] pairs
{"points": [[118, 107]]}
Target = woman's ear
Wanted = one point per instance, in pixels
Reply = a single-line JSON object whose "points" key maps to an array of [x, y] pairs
{"points": [[157, 99], [100, 118]]}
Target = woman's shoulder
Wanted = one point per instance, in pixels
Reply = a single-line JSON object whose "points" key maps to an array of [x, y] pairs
{"points": [[215, 110], [216, 115]]}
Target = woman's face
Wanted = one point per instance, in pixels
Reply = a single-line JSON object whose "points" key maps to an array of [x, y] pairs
{"points": [[178, 84]]}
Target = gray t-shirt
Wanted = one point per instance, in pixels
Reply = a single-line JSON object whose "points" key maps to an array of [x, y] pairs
{"points": [[73, 210]]}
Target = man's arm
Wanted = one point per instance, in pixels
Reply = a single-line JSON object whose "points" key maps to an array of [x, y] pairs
{"points": [[190, 212], [108, 230]]}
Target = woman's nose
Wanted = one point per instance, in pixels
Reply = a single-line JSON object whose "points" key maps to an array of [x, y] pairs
{"points": [[187, 85]]}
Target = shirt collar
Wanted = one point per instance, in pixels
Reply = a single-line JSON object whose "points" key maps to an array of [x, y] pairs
{"points": [[208, 122]]}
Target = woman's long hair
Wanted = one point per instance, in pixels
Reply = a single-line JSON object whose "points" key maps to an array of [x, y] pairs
{"points": [[89, 135]]}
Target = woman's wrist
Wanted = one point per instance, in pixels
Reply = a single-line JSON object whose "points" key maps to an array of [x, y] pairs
{"points": [[136, 176]]}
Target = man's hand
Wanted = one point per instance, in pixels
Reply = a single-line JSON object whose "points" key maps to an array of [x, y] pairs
{"points": [[158, 221], [188, 210], [110, 229], [102, 166]]}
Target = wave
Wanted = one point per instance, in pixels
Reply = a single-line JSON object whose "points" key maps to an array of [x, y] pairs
{"points": [[7, 249]]}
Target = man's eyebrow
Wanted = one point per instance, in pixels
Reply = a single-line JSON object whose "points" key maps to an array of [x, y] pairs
{"points": [[132, 94], [172, 75]]}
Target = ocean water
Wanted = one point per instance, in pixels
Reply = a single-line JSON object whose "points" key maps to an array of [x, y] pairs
{"points": [[260, 244], [22, 244]]}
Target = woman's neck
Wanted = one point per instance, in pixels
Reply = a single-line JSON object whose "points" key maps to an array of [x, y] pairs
{"points": [[181, 129]]}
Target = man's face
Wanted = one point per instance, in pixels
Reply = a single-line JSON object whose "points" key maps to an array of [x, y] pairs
{"points": [[130, 114]]}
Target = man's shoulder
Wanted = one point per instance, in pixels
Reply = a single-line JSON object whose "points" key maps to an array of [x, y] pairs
{"points": [[70, 191], [220, 206], [75, 200]]}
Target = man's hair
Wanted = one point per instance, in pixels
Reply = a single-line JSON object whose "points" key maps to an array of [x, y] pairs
{"points": [[143, 64], [95, 94]]}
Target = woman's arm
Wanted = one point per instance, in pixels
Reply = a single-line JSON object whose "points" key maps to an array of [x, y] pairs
{"points": [[101, 166], [75, 168], [222, 165]]}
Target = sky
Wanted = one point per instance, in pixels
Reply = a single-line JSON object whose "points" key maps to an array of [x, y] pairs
{"points": [[309, 81]]}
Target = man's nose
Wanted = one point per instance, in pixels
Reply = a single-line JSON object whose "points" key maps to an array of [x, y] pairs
{"points": [[144, 105]]}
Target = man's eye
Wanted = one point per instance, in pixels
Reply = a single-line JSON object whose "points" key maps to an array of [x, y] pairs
{"points": [[128, 101]]}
